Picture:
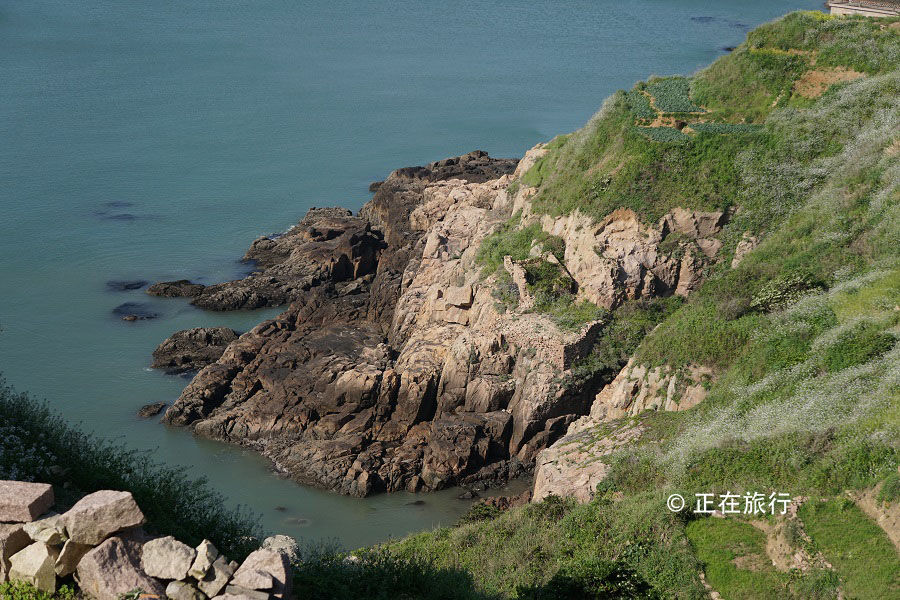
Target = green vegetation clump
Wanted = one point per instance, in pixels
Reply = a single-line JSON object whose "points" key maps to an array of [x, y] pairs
{"points": [[858, 549], [890, 489], [19, 590], [515, 242], [639, 105], [725, 128], [672, 95], [662, 134], [36, 444]]}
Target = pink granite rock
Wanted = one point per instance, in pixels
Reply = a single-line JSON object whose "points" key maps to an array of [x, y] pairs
{"points": [[21, 501], [12, 539], [101, 514], [114, 568]]}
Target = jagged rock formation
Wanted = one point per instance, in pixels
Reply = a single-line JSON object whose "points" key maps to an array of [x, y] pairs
{"points": [[573, 465], [394, 368]]}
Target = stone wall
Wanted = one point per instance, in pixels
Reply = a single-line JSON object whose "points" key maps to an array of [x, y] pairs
{"points": [[100, 546]]}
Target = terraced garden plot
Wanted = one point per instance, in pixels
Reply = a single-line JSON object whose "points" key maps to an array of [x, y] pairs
{"points": [[662, 134], [724, 128], [639, 105], [672, 95]]}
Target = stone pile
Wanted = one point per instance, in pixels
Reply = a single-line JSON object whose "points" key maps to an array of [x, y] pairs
{"points": [[100, 543]]}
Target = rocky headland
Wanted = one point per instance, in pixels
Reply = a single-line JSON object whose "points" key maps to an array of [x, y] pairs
{"points": [[395, 367]]}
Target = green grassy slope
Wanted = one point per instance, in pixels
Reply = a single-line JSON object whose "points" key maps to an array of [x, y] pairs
{"points": [[802, 334]]}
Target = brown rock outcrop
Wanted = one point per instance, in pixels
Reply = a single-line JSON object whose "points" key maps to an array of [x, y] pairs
{"points": [[192, 349], [394, 368]]}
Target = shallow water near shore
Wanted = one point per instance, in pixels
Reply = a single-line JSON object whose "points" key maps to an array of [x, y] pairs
{"points": [[154, 141]]}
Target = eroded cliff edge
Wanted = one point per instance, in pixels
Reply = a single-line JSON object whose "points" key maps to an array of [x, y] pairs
{"points": [[400, 364]]}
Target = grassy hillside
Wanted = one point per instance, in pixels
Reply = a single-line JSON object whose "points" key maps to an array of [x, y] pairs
{"points": [[798, 132]]}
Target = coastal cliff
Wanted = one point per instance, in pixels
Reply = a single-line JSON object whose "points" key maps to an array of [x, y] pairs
{"points": [[401, 364]]}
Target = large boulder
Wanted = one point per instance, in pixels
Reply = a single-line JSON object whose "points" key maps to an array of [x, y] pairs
{"points": [[183, 590], [283, 544], [206, 556], [217, 577], [21, 501], [114, 568], [34, 565], [167, 558], [12, 539], [51, 530], [192, 349], [69, 557], [101, 514], [263, 562]]}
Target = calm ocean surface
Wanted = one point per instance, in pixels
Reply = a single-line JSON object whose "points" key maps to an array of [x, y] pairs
{"points": [[156, 140]]}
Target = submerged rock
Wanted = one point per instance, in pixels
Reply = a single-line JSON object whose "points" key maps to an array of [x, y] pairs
{"points": [[126, 285], [134, 311]]}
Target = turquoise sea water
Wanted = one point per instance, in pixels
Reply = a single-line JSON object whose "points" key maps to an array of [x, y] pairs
{"points": [[156, 140]]}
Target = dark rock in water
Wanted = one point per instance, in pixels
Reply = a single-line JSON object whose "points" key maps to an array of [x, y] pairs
{"points": [[176, 289], [151, 410], [192, 349], [729, 48], [322, 384], [467, 495], [118, 204], [416, 503], [329, 245], [117, 216], [281, 508], [125, 286], [134, 311]]}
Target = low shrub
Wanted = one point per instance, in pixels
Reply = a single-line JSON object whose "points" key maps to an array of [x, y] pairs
{"points": [[173, 502]]}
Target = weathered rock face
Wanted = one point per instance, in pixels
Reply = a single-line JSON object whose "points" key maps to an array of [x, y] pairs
{"points": [[114, 568], [167, 558], [401, 372], [96, 516], [621, 259], [12, 539], [22, 501], [34, 565], [192, 349], [573, 465]]}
